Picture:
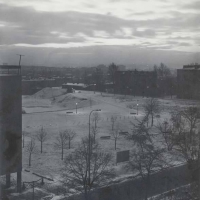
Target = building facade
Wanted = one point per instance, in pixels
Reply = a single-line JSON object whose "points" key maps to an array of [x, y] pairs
{"points": [[10, 119], [188, 82], [141, 83], [10, 122]]}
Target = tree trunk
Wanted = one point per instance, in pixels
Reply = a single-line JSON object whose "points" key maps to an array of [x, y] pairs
{"points": [[41, 146], [29, 162], [94, 138], [147, 186], [62, 154], [151, 120], [115, 144], [69, 144], [86, 193]]}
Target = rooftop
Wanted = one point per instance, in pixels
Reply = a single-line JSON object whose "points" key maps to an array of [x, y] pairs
{"points": [[192, 67], [9, 70]]}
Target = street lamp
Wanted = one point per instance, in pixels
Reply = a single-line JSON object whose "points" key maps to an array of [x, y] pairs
{"points": [[76, 108], [137, 108], [89, 146]]}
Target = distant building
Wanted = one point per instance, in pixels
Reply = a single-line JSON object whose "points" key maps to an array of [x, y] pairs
{"points": [[188, 80], [136, 82], [32, 86], [73, 86]]}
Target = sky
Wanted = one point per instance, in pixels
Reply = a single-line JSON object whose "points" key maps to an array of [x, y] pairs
{"points": [[90, 32]]}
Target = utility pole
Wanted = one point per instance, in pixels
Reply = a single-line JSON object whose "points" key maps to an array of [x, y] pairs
{"points": [[19, 58]]}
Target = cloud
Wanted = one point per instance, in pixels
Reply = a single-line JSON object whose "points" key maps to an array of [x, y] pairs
{"points": [[89, 5], [176, 43], [25, 25], [33, 37], [145, 33], [194, 5], [71, 22]]}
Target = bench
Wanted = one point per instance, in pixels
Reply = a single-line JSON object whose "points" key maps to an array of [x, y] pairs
{"points": [[105, 137], [123, 133]]}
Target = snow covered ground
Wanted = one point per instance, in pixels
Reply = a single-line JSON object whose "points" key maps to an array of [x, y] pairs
{"points": [[51, 114], [48, 109]]}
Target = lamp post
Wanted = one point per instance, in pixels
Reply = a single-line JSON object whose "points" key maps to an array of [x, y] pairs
{"points": [[137, 108], [76, 108], [89, 146]]}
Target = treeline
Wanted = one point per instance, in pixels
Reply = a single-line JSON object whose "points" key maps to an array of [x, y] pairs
{"points": [[101, 75]]}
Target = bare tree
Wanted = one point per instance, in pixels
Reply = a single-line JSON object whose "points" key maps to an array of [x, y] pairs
{"points": [[166, 80], [186, 132], [162, 71], [98, 76], [186, 140], [94, 133], [112, 69], [151, 108], [186, 137], [140, 133], [61, 142], [79, 175], [145, 161], [24, 133], [30, 149], [41, 137], [95, 119], [147, 157], [115, 134], [113, 120], [191, 116], [70, 135], [166, 130]]}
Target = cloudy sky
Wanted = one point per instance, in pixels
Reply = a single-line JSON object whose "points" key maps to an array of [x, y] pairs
{"points": [[90, 32]]}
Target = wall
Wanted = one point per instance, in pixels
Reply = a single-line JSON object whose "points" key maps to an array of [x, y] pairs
{"points": [[134, 189]]}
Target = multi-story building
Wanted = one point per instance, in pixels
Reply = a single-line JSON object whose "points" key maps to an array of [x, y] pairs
{"points": [[136, 82], [10, 122], [188, 82]]}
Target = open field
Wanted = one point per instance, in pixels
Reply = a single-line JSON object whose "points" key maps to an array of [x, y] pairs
{"points": [[49, 111], [55, 110]]}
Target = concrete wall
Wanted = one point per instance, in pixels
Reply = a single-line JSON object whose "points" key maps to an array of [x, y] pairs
{"points": [[134, 189]]}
